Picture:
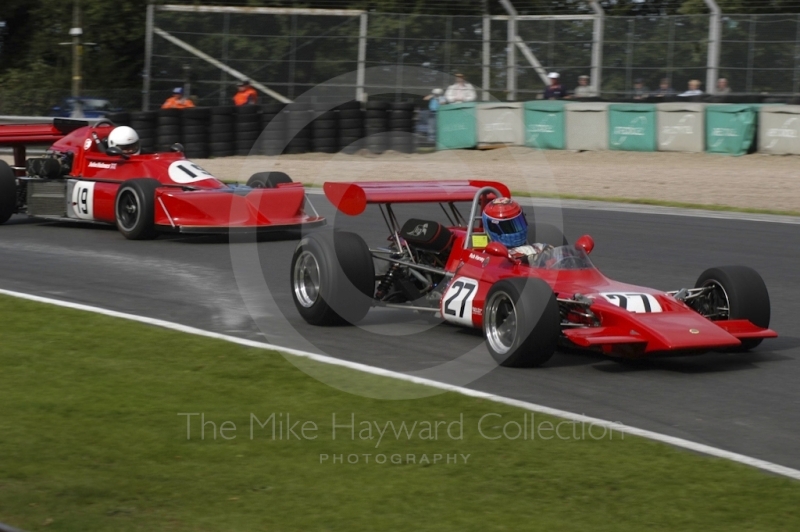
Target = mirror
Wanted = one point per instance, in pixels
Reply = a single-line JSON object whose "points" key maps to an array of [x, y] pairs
{"points": [[178, 147], [586, 243], [497, 249]]}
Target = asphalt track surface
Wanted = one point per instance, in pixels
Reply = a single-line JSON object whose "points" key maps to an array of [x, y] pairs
{"points": [[747, 403]]}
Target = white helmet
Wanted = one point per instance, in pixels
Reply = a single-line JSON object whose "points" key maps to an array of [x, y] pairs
{"points": [[126, 139]]}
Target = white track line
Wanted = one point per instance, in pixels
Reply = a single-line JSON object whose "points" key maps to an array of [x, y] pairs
{"points": [[677, 442]]}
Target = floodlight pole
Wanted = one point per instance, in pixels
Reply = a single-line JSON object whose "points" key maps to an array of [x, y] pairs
{"points": [[511, 51], [597, 46], [362, 57], [487, 53], [714, 37], [77, 50], [148, 55]]}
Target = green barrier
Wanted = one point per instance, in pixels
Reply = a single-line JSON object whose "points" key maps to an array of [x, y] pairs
{"points": [[544, 124], [730, 128], [456, 127], [632, 127]]}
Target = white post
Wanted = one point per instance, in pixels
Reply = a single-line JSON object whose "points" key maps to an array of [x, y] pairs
{"points": [[487, 56], [148, 55], [597, 47], [714, 36], [511, 51], [362, 57]]}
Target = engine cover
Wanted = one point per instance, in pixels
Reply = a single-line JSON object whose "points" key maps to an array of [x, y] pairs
{"points": [[426, 234]]}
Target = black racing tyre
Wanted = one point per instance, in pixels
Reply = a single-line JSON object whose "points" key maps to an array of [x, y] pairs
{"points": [[402, 106], [303, 134], [223, 110], [226, 129], [194, 139], [273, 135], [521, 322], [322, 114], [326, 149], [739, 289], [169, 113], [376, 105], [220, 146], [376, 123], [194, 130], [375, 114], [400, 115], [141, 125], [221, 119], [196, 113], [325, 123], [352, 105], [332, 278], [349, 114], [351, 123], [168, 130], [246, 135], [221, 137], [145, 133], [351, 132], [268, 179], [202, 153], [247, 109], [166, 121], [546, 234], [134, 209], [8, 192], [401, 124], [119, 119], [325, 143], [244, 147], [144, 116], [248, 126], [296, 150], [272, 108]]}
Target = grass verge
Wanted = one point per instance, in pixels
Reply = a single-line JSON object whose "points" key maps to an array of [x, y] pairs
{"points": [[92, 439]]}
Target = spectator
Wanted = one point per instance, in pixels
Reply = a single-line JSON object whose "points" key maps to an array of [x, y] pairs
{"points": [[722, 87], [694, 89], [435, 100], [664, 89], [555, 91], [460, 91], [640, 91], [177, 100], [583, 90], [246, 95]]}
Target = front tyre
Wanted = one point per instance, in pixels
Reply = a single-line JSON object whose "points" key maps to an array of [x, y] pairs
{"points": [[735, 293], [268, 179], [8, 192], [521, 322], [332, 278], [134, 209]]}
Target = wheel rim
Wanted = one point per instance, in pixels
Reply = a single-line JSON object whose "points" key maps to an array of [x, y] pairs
{"points": [[128, 209], [718, 305], [306, 279], [501, 322], [257, 184]]}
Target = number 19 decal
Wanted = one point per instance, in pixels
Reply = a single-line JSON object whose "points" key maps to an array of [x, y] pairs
{"points": [[83, 200], [457, 301], [185, 172]]}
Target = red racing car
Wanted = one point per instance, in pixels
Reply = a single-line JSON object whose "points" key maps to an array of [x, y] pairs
{"points": [[82, 178], [526, 305]]}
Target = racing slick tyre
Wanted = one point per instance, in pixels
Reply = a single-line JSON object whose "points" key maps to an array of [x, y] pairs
{"points": [[521, 322], [739, 289], [8, 192], [547, 234], [268, 179], [333, 278], [134, 209]]}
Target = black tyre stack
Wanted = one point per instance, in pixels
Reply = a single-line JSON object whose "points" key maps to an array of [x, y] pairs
{"points": [[376, 126], [248, 127], [273, 129], [401, 127], [120, 119], [144, 123], [194, 132], [168, 130], [299, 129], [221, 133], [325, 138], [351, 126]]}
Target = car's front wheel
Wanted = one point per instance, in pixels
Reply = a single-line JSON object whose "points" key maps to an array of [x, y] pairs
{"points": [[521, 322], [134, 209], [734, 293], [268, 179]]}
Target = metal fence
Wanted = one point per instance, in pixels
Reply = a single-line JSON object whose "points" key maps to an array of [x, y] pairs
{"points": [[290, 52]]}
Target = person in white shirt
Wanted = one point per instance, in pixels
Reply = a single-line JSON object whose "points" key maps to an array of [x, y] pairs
{"points": [[460, 91], [694, 89]]}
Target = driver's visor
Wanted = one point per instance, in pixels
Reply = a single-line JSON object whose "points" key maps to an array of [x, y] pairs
{"points": [[509, 227], [130, 149]]}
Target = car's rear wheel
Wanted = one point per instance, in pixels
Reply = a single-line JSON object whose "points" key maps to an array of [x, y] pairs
{"points": [[8, 192], [268, 179], [134, 209], [734, 293], [332, 278], [521, 322]]}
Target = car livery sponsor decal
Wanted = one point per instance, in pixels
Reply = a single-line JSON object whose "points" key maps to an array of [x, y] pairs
{"points": [[83, 200], [421, 229], [87, 144], [633, 301], [106, 166], [186, 173], [457, 301]]}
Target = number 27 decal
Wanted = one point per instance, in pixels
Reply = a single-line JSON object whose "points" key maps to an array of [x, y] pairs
{"points": [[457, 302]]}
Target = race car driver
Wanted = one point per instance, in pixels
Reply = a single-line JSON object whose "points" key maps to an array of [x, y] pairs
{"points": [[504, 222], [126, 139]]}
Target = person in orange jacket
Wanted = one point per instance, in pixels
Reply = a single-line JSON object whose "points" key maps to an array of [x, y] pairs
{"points": [[246, 94], [177, 100]]}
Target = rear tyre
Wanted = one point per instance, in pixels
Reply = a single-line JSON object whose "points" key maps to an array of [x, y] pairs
{"points": [[739, 289], [8, 192], [521, 322], [134, 209], [332, 278], [268, 179]]}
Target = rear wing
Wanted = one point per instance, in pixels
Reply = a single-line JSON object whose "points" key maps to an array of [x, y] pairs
{"points": [[18, 136], [353, 198]]}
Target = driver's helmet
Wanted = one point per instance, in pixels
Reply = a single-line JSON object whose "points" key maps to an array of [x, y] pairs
{"points": [[504, 222], [126, 139]]}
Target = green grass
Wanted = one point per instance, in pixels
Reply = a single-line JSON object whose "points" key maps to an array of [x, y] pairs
{"points": [[92, 440]]}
